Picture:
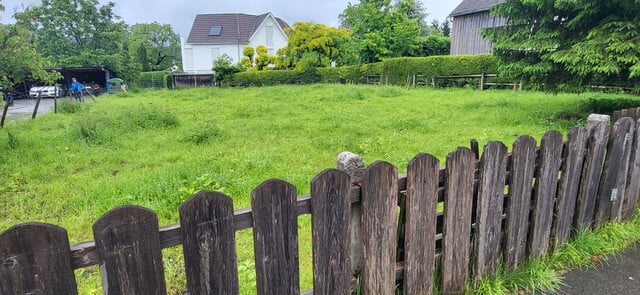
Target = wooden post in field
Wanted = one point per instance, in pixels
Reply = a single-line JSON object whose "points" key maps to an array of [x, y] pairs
{"points": [[35, 109], [4, 112], [482, 78], [353, 165]]}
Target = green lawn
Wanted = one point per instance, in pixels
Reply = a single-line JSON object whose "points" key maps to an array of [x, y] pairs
{"points": [[155, 148]]}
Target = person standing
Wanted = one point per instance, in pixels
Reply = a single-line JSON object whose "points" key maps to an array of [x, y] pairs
{"points": [[76, 89]]}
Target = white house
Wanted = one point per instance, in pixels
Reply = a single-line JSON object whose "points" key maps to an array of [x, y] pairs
{"points": [[213, 35]]}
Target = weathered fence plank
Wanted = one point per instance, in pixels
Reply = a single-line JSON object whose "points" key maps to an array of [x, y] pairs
{"points": [[379, 203], [573, 155], [633, 113], [632, 191], [128, 243], [275, 235], [522, 168], [488, 231], [460, 167], [420, 227], [598, 129], [35, 259], [614, 176], [546, 185], [209, 245], [330, 215]]}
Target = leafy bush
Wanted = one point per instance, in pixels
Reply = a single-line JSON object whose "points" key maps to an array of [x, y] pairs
{"points": [[68, 106]]}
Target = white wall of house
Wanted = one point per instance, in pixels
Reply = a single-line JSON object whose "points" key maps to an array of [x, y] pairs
{"points": [[270, 35], [198, 58]]}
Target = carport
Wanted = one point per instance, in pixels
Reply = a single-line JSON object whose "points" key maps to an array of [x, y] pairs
{"points": [[85, 75]]}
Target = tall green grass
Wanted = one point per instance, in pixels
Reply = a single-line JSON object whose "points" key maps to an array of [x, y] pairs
{"points": [[156, 148]]}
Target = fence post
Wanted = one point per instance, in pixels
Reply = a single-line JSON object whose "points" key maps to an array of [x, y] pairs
{"points": [[458, 199], [379, 228], [35, 109], [522, 169], [330, 214], [598, 130], [353, 165], [487, 237], [573, 159], [546, 184], [206, 223], [35, 259], [614, 175], [482, 78], [633, 182], [275, 236], [420, 227], [5, 110]]}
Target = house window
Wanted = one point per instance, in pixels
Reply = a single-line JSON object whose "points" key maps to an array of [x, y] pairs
{"points": [[269, 30], [188, 56], [215, 31]]}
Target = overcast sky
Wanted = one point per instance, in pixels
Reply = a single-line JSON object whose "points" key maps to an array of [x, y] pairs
{"points": [[180, 14]]}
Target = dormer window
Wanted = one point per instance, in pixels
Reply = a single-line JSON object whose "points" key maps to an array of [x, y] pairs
{"points": [[215, 31]]}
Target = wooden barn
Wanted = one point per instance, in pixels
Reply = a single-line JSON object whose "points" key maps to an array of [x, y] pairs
{"points": [[468, 18]]}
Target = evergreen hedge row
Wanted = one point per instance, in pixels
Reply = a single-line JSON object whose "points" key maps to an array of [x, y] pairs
{"points": [[395, 70]]}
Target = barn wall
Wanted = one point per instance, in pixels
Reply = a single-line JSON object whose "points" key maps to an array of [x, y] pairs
{"points": [[465, 37]]}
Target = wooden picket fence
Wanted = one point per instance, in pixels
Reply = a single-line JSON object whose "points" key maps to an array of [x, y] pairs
{"points": [[551, 190]]}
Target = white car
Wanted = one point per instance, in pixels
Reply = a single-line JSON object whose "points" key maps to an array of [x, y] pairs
{"points": [[47, 91]]}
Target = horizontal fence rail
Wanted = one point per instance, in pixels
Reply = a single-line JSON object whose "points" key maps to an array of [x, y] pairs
{"points": [[480, 209]]}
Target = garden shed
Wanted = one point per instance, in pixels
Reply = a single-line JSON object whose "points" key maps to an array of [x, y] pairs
{"points": [[467, 19]]}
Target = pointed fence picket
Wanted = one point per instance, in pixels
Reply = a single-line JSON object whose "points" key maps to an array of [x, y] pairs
{"points": [[408, 241]]}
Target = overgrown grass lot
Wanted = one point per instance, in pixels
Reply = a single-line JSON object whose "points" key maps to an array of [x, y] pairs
{"points": [[156, 148]]}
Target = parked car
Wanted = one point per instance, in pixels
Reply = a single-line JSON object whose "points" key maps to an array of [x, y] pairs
{"points": [[47, 91]]}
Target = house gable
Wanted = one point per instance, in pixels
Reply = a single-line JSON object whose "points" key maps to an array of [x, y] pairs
{"points": [[213, 35]]}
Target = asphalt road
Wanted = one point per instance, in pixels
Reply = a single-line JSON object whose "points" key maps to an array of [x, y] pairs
{"points": [[23, 108], [618, 274]]}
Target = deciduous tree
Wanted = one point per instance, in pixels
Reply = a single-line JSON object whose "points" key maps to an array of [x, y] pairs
{"points": [[18, 57], [161, 43], [313, 45], [78, 33], [382, 28]]}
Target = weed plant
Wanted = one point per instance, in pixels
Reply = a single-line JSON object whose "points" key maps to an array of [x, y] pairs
{"points": [[155, 148]]}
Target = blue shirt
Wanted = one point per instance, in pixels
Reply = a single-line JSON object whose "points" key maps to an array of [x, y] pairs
{"points": [[76, 86]]}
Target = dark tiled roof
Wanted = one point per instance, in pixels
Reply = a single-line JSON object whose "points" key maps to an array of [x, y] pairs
{"points": [[474, 6], [236, 27]]}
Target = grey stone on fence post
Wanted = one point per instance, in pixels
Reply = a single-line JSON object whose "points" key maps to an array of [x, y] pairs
{"points": [[353, 165]]}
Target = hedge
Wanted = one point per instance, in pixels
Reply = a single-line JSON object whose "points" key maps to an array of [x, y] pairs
{"points": [[396, 70], [270, 78], [156, 79]]}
